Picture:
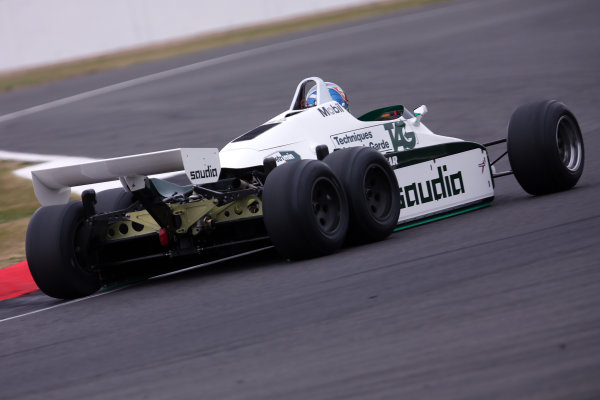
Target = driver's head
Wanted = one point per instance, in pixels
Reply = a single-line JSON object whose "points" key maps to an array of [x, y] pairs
{"points": [[335, 92]]}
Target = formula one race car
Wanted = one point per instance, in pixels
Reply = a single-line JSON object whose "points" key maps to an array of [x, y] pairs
{"points": [[307, 181]]}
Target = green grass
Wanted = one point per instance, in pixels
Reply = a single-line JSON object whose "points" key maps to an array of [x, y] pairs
{"points": [[121, 59], [17, 204]]}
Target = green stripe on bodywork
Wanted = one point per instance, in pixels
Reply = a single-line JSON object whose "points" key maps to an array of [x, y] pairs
{"points": [[424, 154], [443, 216], [376, 114]]}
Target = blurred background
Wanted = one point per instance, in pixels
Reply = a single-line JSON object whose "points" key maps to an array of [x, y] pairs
{"points": [[41, 32]]}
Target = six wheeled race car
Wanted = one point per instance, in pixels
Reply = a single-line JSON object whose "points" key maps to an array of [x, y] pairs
{"points": [[307, 181]]}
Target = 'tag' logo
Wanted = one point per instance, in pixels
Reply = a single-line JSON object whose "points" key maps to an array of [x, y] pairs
{"points": [[400, 137]]}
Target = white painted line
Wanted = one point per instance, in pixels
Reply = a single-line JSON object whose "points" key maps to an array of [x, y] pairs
{"points": [[208, 63], [55, 161], [27, 157], [247, 253], [62, 304], [144, 79]]}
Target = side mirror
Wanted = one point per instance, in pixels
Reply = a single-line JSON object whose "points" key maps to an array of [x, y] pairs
{"points": [[420, 112]]}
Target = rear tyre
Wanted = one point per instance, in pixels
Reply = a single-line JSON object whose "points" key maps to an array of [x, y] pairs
{"points": [[372, 190], [305, 209], [52, 250], [113, 200], [545, 147]]}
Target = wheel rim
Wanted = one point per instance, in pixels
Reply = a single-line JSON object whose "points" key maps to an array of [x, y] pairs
{"points": [[377, 190], [326, 205], [568, 143]]}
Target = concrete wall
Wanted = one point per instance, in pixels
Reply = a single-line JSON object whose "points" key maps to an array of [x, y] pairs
{"points": [[38, 32]]}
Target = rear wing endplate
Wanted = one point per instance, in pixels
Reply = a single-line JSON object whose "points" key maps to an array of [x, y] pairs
{"points": [[53, 186]]}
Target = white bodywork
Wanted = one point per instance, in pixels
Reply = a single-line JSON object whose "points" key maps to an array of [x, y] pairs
{"points": [[297, 132], [442, 184], [53, 186], [427, 187], [301, 130]]}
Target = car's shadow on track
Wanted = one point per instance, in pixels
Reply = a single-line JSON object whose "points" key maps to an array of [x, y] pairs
{"points": [[33, 302], [264, 259]]}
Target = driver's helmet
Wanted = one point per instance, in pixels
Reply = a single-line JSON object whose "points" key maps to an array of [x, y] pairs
{"points": [[335, 92]]}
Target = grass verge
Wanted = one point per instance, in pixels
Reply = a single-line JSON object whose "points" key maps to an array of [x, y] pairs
{"points": [[149, 53], [17, 204]]}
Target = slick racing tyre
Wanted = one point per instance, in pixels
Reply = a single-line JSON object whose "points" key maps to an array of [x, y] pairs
{"points": [[53, 252], [545, 147], [372, 190], [113, 200], [305, 209]]}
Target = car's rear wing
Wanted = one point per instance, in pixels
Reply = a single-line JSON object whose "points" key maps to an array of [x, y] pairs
{"points": [[53, 186]]}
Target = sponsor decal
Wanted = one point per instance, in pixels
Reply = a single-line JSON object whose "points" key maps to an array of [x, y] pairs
{"points": [[360, 138], [209, 172], [482, 165], [432, 190], [383, 145], [401, 139], [349, 138], [284, 156], [331, 109]]}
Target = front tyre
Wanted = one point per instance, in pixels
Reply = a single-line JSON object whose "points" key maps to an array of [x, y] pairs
{"points": [[372, 189], [53, 250], [305, 209], [545, 147]]}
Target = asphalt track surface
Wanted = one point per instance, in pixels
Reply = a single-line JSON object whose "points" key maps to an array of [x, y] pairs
{"points": [[502, 303]]}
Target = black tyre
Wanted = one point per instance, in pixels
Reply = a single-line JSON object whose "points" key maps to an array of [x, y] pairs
{"points": [[545, 147], [372, 190], [52, 252], [305, 209], [113, 200]]}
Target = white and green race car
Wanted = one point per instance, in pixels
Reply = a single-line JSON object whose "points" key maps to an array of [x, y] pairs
{"points": [[307, 181]]}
